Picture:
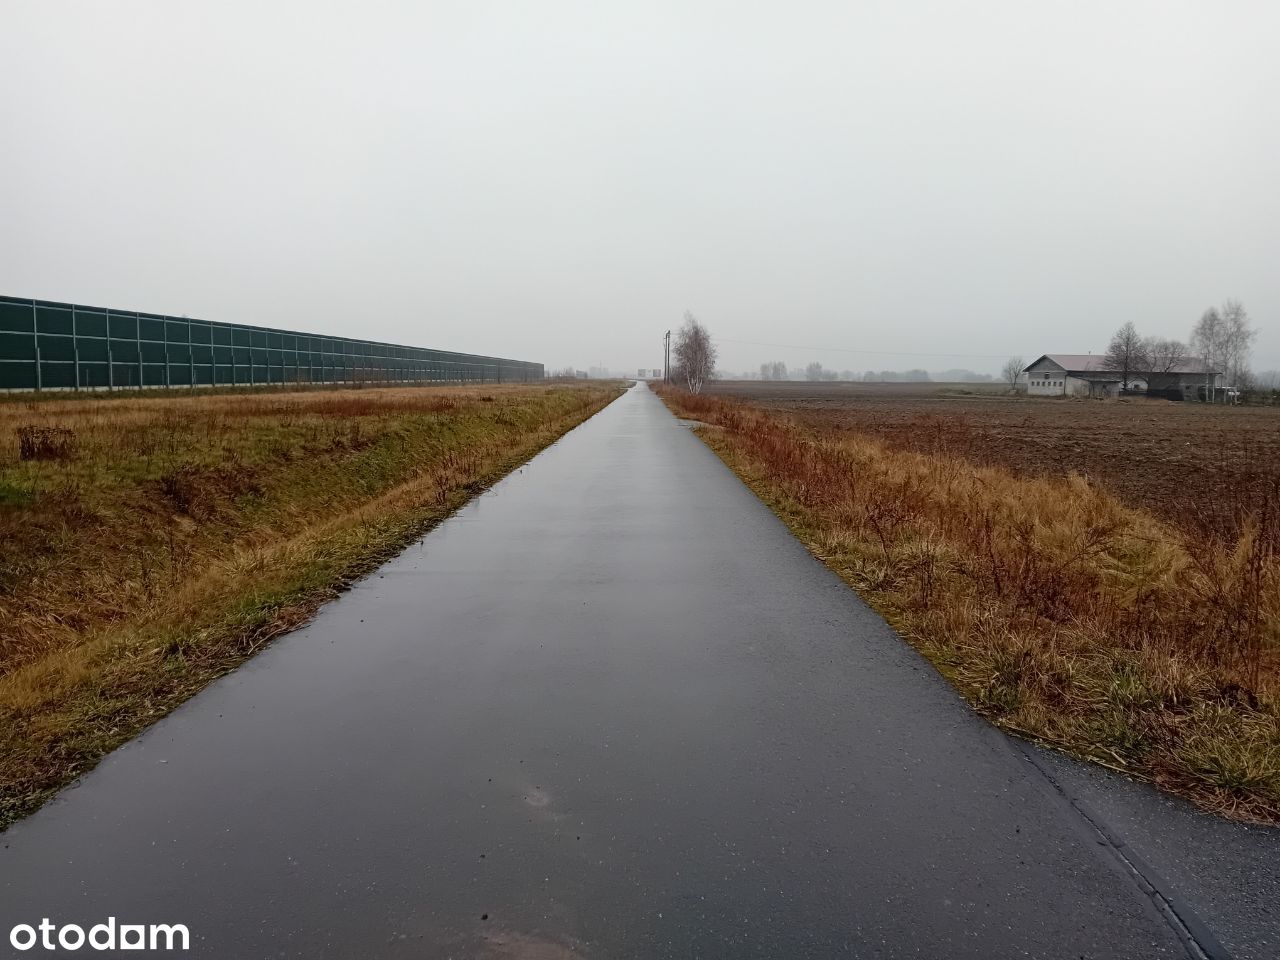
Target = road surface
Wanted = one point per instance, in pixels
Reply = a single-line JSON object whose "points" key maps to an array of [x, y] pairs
{"points": [[610, 709]]}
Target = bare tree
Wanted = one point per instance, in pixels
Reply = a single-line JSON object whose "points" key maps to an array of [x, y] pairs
{"points": [[1165, 356], [1126, 355], [1207, 340], [1012, 371], [694, 354], [1224, 340], [1238, 337], [813, 371], [1266, 385], [773, 370]]}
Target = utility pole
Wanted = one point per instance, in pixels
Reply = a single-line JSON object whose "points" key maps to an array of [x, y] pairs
{"points": [[666, 357]]}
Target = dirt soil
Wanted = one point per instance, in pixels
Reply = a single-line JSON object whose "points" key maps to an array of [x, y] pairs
{"points": [[1196, 465]]}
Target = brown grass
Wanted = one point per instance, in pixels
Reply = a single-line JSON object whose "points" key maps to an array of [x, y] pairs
{"points": [[1191, 464], [171, 537], [1060, 612]]}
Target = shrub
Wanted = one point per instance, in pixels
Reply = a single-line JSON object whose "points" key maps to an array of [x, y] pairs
{"points": [[45, 443]]}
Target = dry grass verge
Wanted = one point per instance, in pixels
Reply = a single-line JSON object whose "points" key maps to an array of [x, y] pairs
{"points": [[1197, 466], [152, 544], [1059, 612]]}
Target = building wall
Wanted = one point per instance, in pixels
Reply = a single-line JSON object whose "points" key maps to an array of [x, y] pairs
{"points": [[1079, 387], [1046, 379], [1191, 386]]}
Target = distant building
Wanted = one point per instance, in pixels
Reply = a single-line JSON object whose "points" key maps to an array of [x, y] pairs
{"points": [[1086, 375]]}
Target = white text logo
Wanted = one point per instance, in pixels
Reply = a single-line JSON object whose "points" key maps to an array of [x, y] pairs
{"points": [[101, 936]]}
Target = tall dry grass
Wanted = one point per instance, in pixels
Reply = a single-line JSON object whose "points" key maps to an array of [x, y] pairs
{"points": [[151, 543], [1058, 611]]}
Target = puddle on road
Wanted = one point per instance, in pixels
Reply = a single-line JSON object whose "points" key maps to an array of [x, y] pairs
{"points": [[538, 799], [506, 945]]}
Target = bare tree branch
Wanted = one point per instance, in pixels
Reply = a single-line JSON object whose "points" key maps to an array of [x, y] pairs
{"points": [[1165, 356], [1012, 371], [1238, 335], [1126, 355], [1224, 340], [694, 354]]}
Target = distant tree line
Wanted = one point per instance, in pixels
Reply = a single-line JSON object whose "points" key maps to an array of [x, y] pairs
{"points": [[815, 371], [896, 376], [1222, 339]]}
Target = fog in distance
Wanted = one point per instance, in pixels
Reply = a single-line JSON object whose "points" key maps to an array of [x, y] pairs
{"points": [[933, 184]]}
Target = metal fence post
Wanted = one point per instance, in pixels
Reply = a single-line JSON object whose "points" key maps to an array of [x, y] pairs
{"points": [[35, 342]]}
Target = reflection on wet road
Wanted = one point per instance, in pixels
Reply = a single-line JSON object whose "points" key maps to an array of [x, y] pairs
{"points": [[610, 709]]}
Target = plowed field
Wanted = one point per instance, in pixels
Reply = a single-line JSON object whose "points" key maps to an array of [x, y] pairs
{"points": [[1196, 465]]}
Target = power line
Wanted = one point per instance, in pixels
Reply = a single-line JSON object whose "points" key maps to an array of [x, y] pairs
{"points": [[879, 353]]}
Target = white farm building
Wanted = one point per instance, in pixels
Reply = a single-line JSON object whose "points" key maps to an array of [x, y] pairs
{"points": [[1087, 375]]}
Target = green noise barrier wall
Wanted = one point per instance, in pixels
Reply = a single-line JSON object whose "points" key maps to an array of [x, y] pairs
{"points": [[64, 346]]}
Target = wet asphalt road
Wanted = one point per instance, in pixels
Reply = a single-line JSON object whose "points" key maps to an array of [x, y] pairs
{"points": [[611, 709]]}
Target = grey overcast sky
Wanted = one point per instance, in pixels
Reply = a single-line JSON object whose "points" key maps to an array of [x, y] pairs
{"points": [[560, 181]]}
